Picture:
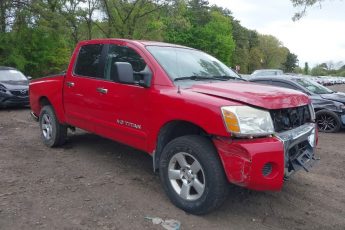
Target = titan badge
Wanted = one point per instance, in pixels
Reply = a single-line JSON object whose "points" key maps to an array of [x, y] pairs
{"points": [[128, 124]]}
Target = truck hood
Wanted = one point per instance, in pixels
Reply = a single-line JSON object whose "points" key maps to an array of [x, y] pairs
{"points": [[268, 97]]}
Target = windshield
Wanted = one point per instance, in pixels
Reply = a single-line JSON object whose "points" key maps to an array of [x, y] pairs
{"points": [[182, 64], [11, 75], [313, 86]]}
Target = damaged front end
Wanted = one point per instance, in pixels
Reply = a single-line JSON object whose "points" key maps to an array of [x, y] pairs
{"points": [[299, 148], [296, 129], [263, 163]]}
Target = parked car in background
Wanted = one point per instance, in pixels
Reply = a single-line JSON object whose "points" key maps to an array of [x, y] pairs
{"points": [[14, 88], [327, 80], [329, 105], [267, 72]]}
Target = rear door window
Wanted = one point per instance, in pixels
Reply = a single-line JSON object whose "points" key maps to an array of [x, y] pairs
{"points": [[89, 62]]}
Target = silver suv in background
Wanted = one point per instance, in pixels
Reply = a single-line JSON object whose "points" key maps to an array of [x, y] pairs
{"points": [[14, 87], [267, 72]]}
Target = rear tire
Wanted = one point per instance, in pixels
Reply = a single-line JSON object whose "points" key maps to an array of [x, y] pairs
{"points": [[192, 175], [328, 121], [53, 133]]}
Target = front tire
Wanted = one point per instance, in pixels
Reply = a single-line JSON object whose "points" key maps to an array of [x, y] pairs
{"points": [[192, 175], [328, 121], [53, 133]]}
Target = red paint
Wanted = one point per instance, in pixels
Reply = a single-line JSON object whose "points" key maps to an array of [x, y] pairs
{"points": [[50, 88], [82, 106], [243, 161], [267, 97]]}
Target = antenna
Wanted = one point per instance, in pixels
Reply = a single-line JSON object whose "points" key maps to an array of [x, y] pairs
{"points": [[179, 89]]}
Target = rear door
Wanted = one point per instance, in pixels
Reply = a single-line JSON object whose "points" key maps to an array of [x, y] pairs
{"points": [[80, 89]]}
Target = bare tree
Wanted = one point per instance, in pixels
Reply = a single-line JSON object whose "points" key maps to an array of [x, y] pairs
{"points": [[8, 10], [305, 4], [124, 15], [73, 14], [91, 7]]}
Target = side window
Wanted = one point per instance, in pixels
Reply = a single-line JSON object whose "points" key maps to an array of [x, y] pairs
{"points": [[89, 62], [284, 85], [123, 54]]}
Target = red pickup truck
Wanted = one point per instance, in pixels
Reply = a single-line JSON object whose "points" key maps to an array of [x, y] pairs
{"points": [[203, 125]]}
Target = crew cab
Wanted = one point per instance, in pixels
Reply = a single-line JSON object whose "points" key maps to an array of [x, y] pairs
{"points": [[203, 125]]}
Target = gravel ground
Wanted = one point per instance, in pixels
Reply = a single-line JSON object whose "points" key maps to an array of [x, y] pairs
{"points": [[94, 183]]}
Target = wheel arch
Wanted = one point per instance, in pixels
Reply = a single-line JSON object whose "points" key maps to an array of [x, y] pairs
{"points": [[43, 101], [57, 107], [172, 130], [318, 109]]}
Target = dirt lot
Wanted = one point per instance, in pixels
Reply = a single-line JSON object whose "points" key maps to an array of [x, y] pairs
{"points": [[94, 183]]}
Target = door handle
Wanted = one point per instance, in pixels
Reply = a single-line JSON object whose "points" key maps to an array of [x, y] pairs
{"points": [[102, 90], [70, 84]]}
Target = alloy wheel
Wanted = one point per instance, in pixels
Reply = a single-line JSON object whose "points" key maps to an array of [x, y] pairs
{"points": [[326, 122], [47, 127], [186, 176]]}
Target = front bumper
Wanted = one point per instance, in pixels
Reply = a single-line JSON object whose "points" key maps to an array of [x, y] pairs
{"points": [[12, 100], [262, 163], [299, 148]]}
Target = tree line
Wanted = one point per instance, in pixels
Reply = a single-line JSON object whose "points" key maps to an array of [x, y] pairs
{"points": [[324, 69], [38, 36]]}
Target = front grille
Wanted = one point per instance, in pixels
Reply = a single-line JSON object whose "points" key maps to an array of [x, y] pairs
{"points": [[287, 119], [20, 93], [300, 156], [297, 150]]}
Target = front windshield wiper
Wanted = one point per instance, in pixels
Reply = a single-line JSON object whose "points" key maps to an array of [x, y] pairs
{"points": [[226, 77], [195, 78], [200, 78]]}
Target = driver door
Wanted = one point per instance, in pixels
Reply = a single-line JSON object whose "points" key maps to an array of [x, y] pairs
{"points": [[124, 109]]}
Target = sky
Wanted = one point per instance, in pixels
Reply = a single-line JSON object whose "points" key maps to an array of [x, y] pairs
{"points": [[316, 38]]}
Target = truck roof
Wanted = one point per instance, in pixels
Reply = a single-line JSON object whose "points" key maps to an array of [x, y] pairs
{"points": [[141, 42], [155, 43]]}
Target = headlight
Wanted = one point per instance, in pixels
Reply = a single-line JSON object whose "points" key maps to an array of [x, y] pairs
{"points": [[247, 121]]}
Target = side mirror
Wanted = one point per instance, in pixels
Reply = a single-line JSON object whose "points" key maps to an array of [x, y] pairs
{"points": [[145, 77], [124, 72], [29, 77]]}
